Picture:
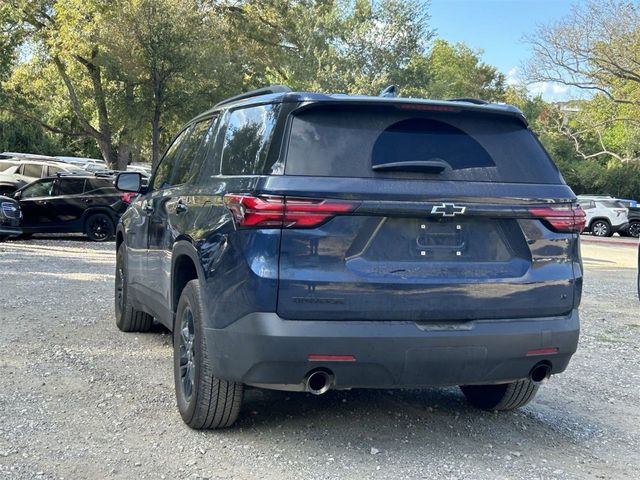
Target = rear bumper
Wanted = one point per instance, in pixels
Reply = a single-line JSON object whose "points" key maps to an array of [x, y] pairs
{"points": [[263, 349]]}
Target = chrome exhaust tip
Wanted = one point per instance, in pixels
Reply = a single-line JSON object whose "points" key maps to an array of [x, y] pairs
{"points": [[318, 382]]}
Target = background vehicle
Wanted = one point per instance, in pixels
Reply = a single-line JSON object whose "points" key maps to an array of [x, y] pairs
{"points": [[9, 218], [633, 228], [82, 162], [304, 242], [26, 171], [67, 204], [605, 215]]}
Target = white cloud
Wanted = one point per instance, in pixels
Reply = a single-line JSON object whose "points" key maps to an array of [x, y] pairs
{"points": [[551, 92], [512, 77]]}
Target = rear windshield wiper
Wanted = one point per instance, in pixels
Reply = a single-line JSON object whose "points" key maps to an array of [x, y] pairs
{"points": [[435, 165]]}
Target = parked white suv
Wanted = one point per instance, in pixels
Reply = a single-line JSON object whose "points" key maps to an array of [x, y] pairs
{"points": [[605, 215], [25, 170]]}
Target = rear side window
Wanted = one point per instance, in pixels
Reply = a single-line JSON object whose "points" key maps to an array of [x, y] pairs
{"points": [[51, 171], [351, 141], [247, 139], [69, 186], [99, 186], [32, 170]]}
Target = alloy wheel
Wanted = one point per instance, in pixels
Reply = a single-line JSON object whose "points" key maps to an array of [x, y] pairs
{"points": [[187, 354], [600, 229]]}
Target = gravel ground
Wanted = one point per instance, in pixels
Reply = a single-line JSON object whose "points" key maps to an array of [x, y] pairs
{"points": [[79, 399]]}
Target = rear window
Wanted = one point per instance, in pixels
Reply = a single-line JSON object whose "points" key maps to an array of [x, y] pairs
{"points": [[354, 141], [612, 204]]}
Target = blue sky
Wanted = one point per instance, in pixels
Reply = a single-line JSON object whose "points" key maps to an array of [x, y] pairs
{"points": [[497, 27]]}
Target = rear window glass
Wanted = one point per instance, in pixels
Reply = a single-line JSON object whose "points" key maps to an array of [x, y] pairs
{"points": [[612, 204], [352, 141]]}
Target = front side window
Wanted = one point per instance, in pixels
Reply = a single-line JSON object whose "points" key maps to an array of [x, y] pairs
{"points": [[162, 178], [247, 139], [38, 189], [191, 145]]}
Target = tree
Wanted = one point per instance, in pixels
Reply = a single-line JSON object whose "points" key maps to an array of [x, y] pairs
{"points": [[62, 37], [454, 71], [595, 49], [357, 46]]}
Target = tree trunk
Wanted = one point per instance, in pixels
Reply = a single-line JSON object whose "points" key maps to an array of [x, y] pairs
{"points": [[124, 143], [102, 135], [124, 152], [155, 137]]}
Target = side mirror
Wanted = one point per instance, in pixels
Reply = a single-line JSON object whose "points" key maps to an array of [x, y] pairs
{"points": [[129, 182]]}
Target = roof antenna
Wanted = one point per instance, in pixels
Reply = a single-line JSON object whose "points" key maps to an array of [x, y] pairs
{"points": [[390, 91]]}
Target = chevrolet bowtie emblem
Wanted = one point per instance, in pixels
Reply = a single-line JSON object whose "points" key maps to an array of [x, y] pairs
{"points": [[447, 210]]}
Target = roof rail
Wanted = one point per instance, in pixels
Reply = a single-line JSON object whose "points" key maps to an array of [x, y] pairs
{"points": [[256, 93], [475, 101]]}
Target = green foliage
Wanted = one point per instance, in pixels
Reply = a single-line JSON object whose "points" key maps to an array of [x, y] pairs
{"points": [[117, 78]]}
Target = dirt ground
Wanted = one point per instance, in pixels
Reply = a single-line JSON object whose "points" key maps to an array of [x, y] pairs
{"points": [[79, 399]]}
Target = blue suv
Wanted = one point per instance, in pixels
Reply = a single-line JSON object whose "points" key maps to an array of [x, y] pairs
{"points": [[305, 242]]}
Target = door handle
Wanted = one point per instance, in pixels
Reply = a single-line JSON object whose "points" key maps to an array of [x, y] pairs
{"points": [[181, 207]]}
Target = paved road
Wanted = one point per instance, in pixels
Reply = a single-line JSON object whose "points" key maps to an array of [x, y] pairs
{"points": [[79, 399]]}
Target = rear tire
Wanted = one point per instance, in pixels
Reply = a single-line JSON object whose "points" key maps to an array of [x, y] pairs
{"points": [[128, 319], [601, 228], [506, 396], [204, 400], [99, 227]]}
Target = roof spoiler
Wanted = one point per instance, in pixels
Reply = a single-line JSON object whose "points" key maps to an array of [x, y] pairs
{"points": [[475, 101]]}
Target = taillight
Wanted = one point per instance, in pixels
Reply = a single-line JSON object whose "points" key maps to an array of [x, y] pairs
{"points": [[565, 218], [127, 197], [271, 211]]}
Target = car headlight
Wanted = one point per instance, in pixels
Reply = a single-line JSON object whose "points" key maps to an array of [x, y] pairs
{"points": [[9, 210]]}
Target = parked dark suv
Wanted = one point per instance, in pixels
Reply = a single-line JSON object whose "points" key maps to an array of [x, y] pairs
{"points": [[307, 242], [10, 216], [86, 204]]}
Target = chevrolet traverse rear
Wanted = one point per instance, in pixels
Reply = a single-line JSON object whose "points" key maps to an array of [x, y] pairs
{"points": [[307, 242]]}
